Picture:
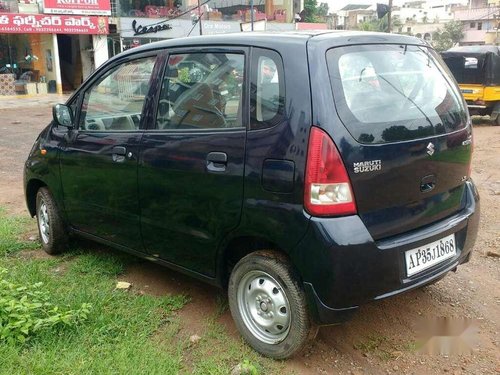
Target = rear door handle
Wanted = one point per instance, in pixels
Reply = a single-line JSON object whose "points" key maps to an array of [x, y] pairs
{"points": [[119, 153], [216, 161]]}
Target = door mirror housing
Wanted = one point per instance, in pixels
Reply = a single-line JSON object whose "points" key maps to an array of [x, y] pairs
{"points": [[62, 115]]}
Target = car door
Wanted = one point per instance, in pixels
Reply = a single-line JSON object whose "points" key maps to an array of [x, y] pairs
{"points": [[192, 157], [99, 159]]}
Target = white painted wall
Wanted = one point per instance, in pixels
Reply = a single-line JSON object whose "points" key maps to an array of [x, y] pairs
{"points": [[87, 56], [57, 66], [100, 46]]}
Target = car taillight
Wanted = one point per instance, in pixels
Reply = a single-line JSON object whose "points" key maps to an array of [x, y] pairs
{"points": [[328, 189]]}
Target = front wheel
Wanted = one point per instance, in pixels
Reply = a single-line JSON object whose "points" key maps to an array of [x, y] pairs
{"points": [[51, 227], [268, 305]]}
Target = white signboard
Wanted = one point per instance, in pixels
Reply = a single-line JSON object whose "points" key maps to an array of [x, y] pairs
{"points": [[153, 28]]}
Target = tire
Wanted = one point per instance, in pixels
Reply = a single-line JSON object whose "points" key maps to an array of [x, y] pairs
{"points": [[497, 121], [268, 305], [51, 228]]}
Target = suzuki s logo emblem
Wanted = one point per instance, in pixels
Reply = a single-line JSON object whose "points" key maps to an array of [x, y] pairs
{"points": [[430, 148]]}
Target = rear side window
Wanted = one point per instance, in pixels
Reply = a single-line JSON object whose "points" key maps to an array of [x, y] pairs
{"points": [[389, 93], [267, 97]]}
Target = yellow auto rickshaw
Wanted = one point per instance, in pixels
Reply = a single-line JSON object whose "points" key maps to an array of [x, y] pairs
{"points": [[477, 71]]}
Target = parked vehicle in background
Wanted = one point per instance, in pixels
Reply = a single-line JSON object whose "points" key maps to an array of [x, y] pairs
{"points": [[477, 71], [306, 173]]}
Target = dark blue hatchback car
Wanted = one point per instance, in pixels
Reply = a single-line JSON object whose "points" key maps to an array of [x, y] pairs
{"points": [[307, 173]]}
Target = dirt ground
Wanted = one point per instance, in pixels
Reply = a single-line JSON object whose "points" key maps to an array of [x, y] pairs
{"points": [[381, 338]]}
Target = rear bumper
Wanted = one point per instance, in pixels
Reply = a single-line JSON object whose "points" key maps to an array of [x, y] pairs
{"points": [[343, 267]]}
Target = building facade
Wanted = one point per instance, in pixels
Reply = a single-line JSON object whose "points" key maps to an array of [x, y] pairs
{"points": [[54, 45], [144, 21], [480, 20]]}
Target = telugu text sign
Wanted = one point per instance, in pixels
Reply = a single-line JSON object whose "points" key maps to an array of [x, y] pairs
{"points": [[51, 24], [87, 7]]}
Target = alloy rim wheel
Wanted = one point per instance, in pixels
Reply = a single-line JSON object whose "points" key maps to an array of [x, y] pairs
{"points": [[43, 222], [264, 307]]}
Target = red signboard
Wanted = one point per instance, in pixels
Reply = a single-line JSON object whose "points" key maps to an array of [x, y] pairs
{"points": [[311, 26], [45, 24], [88, 7]]}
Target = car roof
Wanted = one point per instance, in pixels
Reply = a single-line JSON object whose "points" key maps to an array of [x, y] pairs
{"points": [[270, 39], [472, 50]]}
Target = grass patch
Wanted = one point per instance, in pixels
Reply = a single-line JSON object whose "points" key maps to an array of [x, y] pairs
{"points": [[124, 332], [218, 354], [11, 228], [114, 339]]}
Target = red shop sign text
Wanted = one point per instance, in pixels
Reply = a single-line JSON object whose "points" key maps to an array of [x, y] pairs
{"points": [[45, 24], [88, 7]]}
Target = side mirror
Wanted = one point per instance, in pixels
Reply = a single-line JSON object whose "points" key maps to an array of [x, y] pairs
{"points": [[62, 115]]}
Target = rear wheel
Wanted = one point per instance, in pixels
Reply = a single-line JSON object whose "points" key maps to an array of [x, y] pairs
{"points": [[53, 234], [268, 305]]}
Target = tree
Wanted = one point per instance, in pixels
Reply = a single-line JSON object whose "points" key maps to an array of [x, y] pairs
{"points": [[310, 11], [379, 24], [314, 13], [451, 34], [322, 10]]}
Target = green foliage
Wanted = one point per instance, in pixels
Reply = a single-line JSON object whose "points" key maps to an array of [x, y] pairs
{"points": [[371, 25], [184, 76], [311, 11], [380, 25], [25, 310], [451, 34], [248, 368], [322, 10]]}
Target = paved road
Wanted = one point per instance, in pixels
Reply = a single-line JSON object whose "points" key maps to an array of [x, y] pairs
{"points": [[31, 101]]}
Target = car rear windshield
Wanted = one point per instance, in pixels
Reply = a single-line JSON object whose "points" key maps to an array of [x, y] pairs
{"points": [[390, 93]]}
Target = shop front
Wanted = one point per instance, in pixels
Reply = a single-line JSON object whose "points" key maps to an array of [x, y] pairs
{"points": [[136, 31], [27, 64], [213, 10], [49, 53], [139, 31], [146, 21]]}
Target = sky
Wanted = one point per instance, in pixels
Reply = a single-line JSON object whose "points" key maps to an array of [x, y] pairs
{"points": [[339, 4]]}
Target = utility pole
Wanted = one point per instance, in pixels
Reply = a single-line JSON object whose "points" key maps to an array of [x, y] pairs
{"points": [[389, 15], [251, 14], [200, 14]]}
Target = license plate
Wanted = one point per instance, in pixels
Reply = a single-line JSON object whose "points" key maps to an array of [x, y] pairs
{"points": [[429, 255]]}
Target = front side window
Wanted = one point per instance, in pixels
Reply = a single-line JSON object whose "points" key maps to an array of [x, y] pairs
{"points": [[115, 102], [202, 91], [390, 93]]}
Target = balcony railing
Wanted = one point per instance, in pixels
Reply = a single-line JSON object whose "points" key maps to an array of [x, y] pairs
{"points": [[477, 14]]}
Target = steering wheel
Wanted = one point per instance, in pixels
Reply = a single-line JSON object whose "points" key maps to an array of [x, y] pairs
{"points": [[95, 125]]}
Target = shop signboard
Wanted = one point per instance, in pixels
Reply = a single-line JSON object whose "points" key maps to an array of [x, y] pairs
{"points": [[87, 7], [175, 28], [52, 24]]}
